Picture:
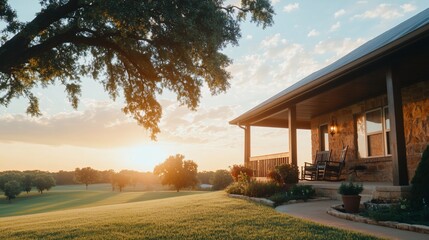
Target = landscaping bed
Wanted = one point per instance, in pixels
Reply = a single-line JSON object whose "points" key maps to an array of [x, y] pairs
{"points": [[338, 211]]}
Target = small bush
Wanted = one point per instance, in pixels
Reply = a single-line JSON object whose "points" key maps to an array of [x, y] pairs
{"points": [[221, 179], [274, 176], [350, 188], [285, 174], [235, 188], [280, 197], [236, 170], [261, 189], [399, 213], [302, 192], [419, 189]]}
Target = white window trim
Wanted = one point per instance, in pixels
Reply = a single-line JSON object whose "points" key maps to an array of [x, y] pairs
{"points": [[383, 132], [321, 136]]}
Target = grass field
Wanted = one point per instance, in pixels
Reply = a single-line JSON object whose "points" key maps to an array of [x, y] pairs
{"points": [[75, 196], [209, 215]]}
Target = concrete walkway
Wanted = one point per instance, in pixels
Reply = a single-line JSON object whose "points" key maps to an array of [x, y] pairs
{"points": [[316, 212]]}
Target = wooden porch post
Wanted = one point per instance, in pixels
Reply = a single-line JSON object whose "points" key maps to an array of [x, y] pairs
{"points": [[397, 136], [246, 145], [292, 136]]}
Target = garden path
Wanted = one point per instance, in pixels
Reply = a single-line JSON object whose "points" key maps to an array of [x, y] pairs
{"points": [[316, 212]]}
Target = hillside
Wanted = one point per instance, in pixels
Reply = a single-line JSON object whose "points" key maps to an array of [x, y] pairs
{"points": [[203, 216]]}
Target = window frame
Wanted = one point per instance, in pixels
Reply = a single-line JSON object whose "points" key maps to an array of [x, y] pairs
{"points": [[384, 131], [322, 142]]}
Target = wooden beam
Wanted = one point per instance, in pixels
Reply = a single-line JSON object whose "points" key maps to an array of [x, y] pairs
{"points": [[292, 136], [246, 145], [397, 136], [282, 123]]}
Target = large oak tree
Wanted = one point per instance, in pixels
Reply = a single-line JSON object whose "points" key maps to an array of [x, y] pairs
{"points": [[177, 172], [136, 48]]}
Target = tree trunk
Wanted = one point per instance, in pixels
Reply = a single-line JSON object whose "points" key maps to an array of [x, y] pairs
{"points": [[86, 186]]}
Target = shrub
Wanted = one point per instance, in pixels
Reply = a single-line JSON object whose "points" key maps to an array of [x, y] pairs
{"points": [[221, 179], [274, 176], [261, 189], [303, 192], [236, 170], [350, 188], [235, 188], [284, 174], [280, 197], [420, 190], [398, 213]]}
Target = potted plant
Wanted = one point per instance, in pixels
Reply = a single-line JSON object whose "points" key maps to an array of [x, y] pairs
{"points": [[350, 193]]}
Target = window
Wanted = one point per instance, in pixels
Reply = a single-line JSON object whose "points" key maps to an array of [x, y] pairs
{"points": [[373, 133], [324, 138]]}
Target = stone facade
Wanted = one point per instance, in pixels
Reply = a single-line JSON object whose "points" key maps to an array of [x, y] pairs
{"points": [[378, 169]]}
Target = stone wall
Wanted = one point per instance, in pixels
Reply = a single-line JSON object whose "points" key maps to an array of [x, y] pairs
{"points": [[379, 169], [415, 100]]}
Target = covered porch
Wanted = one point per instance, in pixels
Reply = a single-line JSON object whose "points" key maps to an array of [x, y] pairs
{"points": [[367, 100]]}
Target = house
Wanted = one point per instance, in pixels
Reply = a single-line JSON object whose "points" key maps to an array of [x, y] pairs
{"points": [[375, 100]]}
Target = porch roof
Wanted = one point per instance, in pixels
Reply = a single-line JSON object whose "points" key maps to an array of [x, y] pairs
{"points": [[359, 75]]}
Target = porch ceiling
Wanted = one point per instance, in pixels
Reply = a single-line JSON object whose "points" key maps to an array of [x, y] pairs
{"points": [[356, 76], [353, 87]]}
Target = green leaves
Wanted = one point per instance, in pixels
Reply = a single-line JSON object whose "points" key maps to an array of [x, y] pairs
{"points": [[135, 48]]}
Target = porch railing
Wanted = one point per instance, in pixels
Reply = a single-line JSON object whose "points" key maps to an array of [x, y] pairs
{"points": [[262, 165]]}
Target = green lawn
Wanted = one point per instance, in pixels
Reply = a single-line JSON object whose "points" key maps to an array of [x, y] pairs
{"points": [[210, 215], [75, 196]]}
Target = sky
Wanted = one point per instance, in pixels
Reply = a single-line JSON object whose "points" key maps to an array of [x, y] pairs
{"points": [[306, 36]]}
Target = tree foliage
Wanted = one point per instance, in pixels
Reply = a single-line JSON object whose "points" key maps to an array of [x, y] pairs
{"points": [[177, 172], [136, 48], [205, 177], [27, 182], [12, 189], [121, 180], [86, 176], [9, 176], [221, 179], [44, 182]]}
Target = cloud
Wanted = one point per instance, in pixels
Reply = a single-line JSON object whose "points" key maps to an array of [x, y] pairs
{"points": [[339, 13], [385, 11], [338, 47], [335, 27], [313, 33], [102, 125], [408, 7], [274, 2], [291, 7], [248, 37]]}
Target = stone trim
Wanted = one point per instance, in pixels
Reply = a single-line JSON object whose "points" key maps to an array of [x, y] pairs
{"points": [[353, 217]]}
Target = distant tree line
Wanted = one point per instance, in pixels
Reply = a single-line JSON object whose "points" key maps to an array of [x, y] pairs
{"points": [[12, 183]]}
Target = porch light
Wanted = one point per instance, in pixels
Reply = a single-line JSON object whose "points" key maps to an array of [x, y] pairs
{"points": [[333, 128]]}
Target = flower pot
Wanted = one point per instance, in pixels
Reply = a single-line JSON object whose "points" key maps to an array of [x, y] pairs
{"points": [[351, 203]]}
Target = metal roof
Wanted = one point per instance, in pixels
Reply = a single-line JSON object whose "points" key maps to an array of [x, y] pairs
{"points": [[381, 46]]}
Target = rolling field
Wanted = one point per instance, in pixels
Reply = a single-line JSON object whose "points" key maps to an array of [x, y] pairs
{"points": [[208, 215], [75, 196]]}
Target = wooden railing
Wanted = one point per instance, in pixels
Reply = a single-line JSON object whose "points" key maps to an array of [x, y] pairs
{"points": [[262, 165]]}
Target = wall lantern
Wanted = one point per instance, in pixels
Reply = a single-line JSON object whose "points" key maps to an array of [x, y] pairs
{"points": [[333, 128]]}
